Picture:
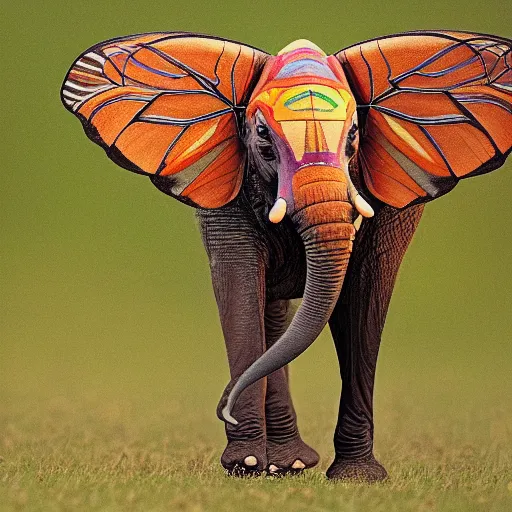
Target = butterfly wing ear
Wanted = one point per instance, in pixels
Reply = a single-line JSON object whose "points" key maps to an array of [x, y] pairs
{"points": [[435, 107], [170, 106]]}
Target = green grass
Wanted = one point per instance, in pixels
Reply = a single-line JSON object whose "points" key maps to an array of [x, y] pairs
{"points": [[143, 440]]}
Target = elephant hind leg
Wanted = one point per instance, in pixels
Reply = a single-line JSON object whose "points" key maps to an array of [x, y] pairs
{"points": [[286, 451]]}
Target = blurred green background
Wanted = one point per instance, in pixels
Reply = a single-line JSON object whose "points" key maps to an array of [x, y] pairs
{"points": [[105, 286]]}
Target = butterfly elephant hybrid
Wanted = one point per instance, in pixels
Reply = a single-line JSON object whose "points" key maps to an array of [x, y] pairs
{"points": [[280, 155]]}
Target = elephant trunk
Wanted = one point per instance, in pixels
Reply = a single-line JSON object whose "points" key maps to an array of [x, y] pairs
{"points": [[323, 217]]}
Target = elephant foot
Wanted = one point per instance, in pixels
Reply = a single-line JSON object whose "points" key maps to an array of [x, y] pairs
{"points": [[245, 458], [290, 457], [367, 470]]}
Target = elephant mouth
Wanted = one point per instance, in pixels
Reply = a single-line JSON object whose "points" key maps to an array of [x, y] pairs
{"points": [[323, 216]]}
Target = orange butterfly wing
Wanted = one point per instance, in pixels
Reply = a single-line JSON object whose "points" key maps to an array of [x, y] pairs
{"points": [[434, 107], [168, 105]]}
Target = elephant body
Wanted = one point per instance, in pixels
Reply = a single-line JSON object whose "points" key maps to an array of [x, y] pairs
{"points": [[281, 154]]}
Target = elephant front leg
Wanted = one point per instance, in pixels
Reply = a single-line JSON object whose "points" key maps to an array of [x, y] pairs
{"points": [[356, 325], [286, 451], [238, 281]]}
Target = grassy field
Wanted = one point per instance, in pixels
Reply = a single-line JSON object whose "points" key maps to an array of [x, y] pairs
{"points": [[149, 440]]}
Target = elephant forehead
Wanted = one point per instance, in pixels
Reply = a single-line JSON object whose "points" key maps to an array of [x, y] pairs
{"points": [[309, 102]]}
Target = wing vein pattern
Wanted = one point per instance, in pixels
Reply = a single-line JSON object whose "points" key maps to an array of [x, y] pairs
{"points": [[434, 107], [168, 105]]}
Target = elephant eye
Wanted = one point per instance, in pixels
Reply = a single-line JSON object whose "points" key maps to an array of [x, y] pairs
{"points": [[351, 137], [264, 143], [262, 131]]}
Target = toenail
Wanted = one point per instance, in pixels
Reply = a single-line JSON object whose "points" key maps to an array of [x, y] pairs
{"points": [[273, 469], [298, 464], [251, 460]]}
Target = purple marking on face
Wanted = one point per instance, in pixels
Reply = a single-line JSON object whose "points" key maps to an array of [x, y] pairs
{"points": [[322, 157], [287, 168]]}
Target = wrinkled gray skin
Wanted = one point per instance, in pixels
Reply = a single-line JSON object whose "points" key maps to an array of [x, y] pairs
{"points": [[257, 267]]}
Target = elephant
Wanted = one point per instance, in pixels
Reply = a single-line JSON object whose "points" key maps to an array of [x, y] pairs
{"points": [[283, 156]]}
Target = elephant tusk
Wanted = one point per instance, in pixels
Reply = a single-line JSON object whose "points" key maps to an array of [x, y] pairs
{"points": [[278, 211], [363, 207], [358, 201]]}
